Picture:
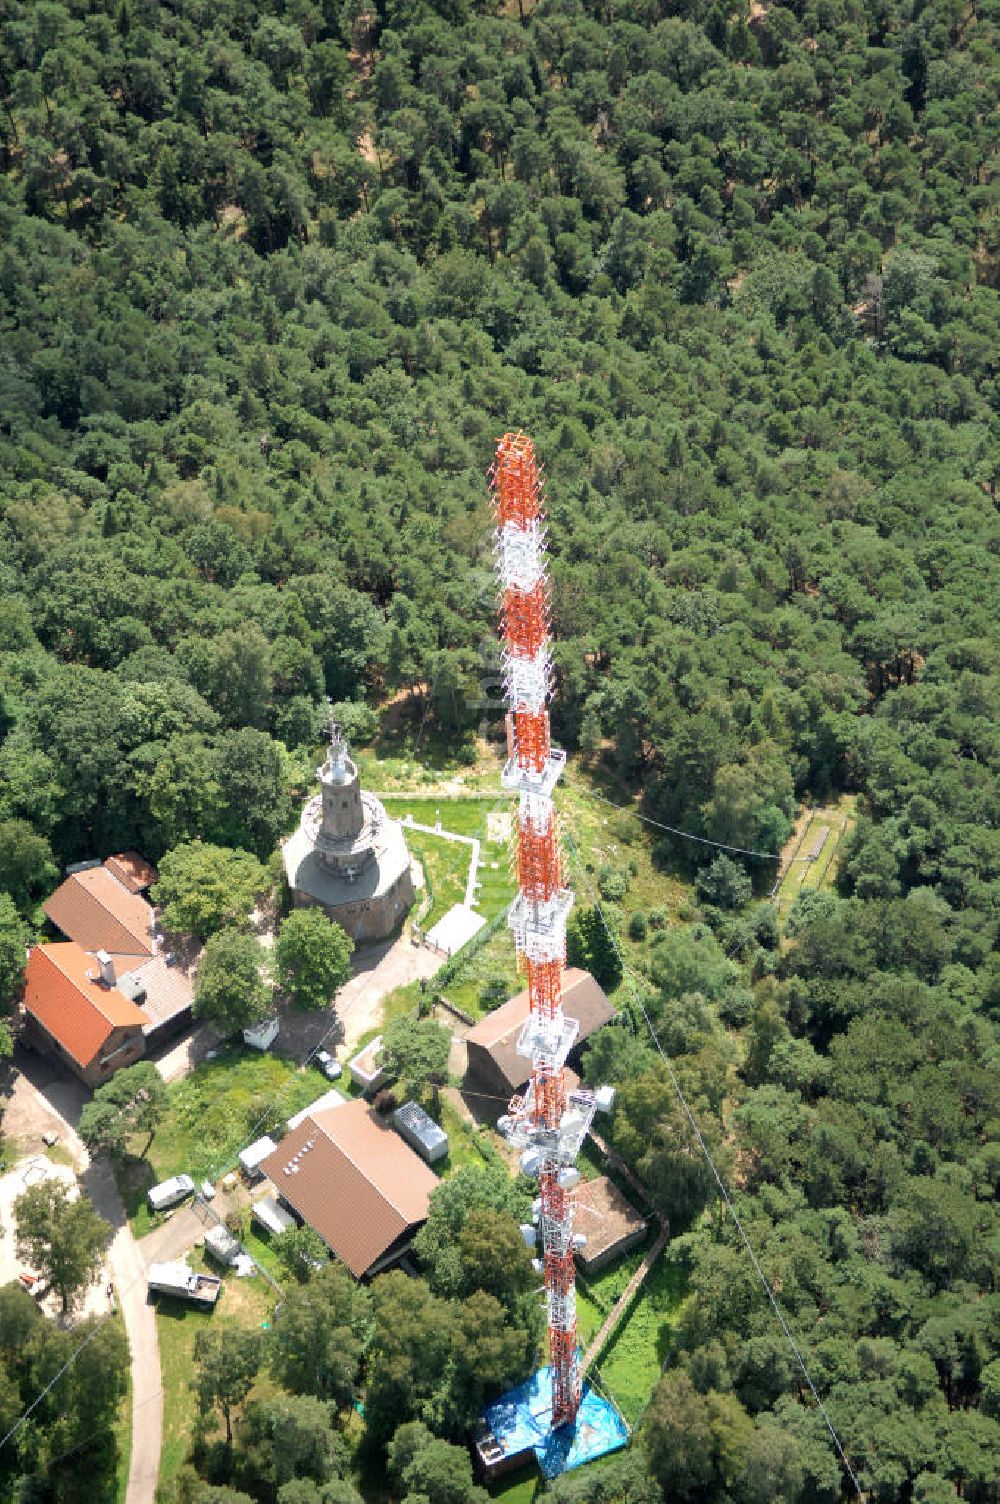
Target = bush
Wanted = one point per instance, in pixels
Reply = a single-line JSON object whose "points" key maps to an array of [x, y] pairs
{"points": [[736, 1007], [638, 926], [613, 883], [493, 992], [725, 883]]}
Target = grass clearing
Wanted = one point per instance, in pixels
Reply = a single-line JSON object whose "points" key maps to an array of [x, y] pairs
{"points": [[243, 1303], [210, 1116], [493, 961], [444, 860], [837, 818], [631, 1363], [462, 1142], [446, 871], [523, 1488]]}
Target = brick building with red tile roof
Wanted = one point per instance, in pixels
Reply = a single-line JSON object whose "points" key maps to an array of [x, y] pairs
{"points": [[72, 1013]]}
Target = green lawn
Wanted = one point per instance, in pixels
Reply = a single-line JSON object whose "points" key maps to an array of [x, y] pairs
{"points": [[630, 1366], [243, 1302], [525, 1487], [462, 815], [461, 1142], [446, 863], [446, 871], [838, 819], [492, 961], [210, 1116]]}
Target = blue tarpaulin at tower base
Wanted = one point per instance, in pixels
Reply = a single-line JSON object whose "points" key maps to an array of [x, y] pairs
{"points": [[521, 1421]]}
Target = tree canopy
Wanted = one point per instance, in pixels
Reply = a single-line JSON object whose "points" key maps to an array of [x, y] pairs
{"points": [[312, 958], [202, 887], [230, 990]]}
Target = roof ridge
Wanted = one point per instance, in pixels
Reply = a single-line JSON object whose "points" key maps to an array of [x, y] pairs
{"points": [[95, 997]]}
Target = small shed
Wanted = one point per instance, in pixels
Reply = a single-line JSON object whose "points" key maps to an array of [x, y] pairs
{"points": [[608, 1221], [254, 1155], [261, 1036], [365, 1072], [271, 1216], [421, 1132], [221, 1244]]}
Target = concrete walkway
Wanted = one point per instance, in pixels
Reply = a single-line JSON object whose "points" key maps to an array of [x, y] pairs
{"points": [[449, 835]]}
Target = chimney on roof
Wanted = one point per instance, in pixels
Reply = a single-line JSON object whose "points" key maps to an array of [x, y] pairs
{"points": [[107, 966]]}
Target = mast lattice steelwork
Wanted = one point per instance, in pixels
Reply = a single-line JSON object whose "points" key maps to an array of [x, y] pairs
{"points": [[548, 1123]]}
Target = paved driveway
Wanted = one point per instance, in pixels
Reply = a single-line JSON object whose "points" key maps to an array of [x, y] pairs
{"points": [[129, 1273], [378, 970]]}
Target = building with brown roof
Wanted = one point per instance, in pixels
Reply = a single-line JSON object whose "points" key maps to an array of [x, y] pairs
{"points": [[100, 913], [494, 1066], [74, 1014], [349, 1175], [132, 871], [608, 1220]]}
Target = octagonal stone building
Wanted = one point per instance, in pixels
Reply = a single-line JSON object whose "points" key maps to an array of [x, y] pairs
{"points": [[347, 857]]}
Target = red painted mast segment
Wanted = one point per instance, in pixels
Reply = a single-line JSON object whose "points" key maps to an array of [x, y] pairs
{"points": [[549, 1124]]}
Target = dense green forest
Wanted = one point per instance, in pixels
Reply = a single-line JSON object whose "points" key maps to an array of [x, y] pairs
{"points": [[272, 279]]}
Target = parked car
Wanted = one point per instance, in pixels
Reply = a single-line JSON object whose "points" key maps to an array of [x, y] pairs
{"points": [[331, 1068], [169, 1192]]}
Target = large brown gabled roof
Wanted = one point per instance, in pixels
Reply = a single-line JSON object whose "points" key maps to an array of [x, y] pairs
{"points": [[96, 911], [583, 999], [75, 1009], [353, 1179]]}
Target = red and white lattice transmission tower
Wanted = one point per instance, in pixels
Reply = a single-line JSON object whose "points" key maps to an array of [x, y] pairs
{"points": [[548, 1123]]}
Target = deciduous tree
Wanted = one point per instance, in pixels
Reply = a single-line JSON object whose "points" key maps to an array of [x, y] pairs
{"points": [[61, 1236], [312, 958]]}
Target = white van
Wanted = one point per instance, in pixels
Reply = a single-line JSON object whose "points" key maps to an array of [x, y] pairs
{"points": [[169, 1192]]}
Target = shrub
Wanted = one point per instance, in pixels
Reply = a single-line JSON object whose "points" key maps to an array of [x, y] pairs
{"points": [[638, 926]]}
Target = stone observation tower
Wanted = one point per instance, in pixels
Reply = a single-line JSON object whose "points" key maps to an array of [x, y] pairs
{"points": [[347, 857]]}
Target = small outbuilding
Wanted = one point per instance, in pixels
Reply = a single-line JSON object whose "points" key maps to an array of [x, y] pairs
{"points": [[272, 1216], [608, 1221], [421, 1132], [261, 1036], [364, 1068], [221, 1244], [252, 1157], [495, 1068]]}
